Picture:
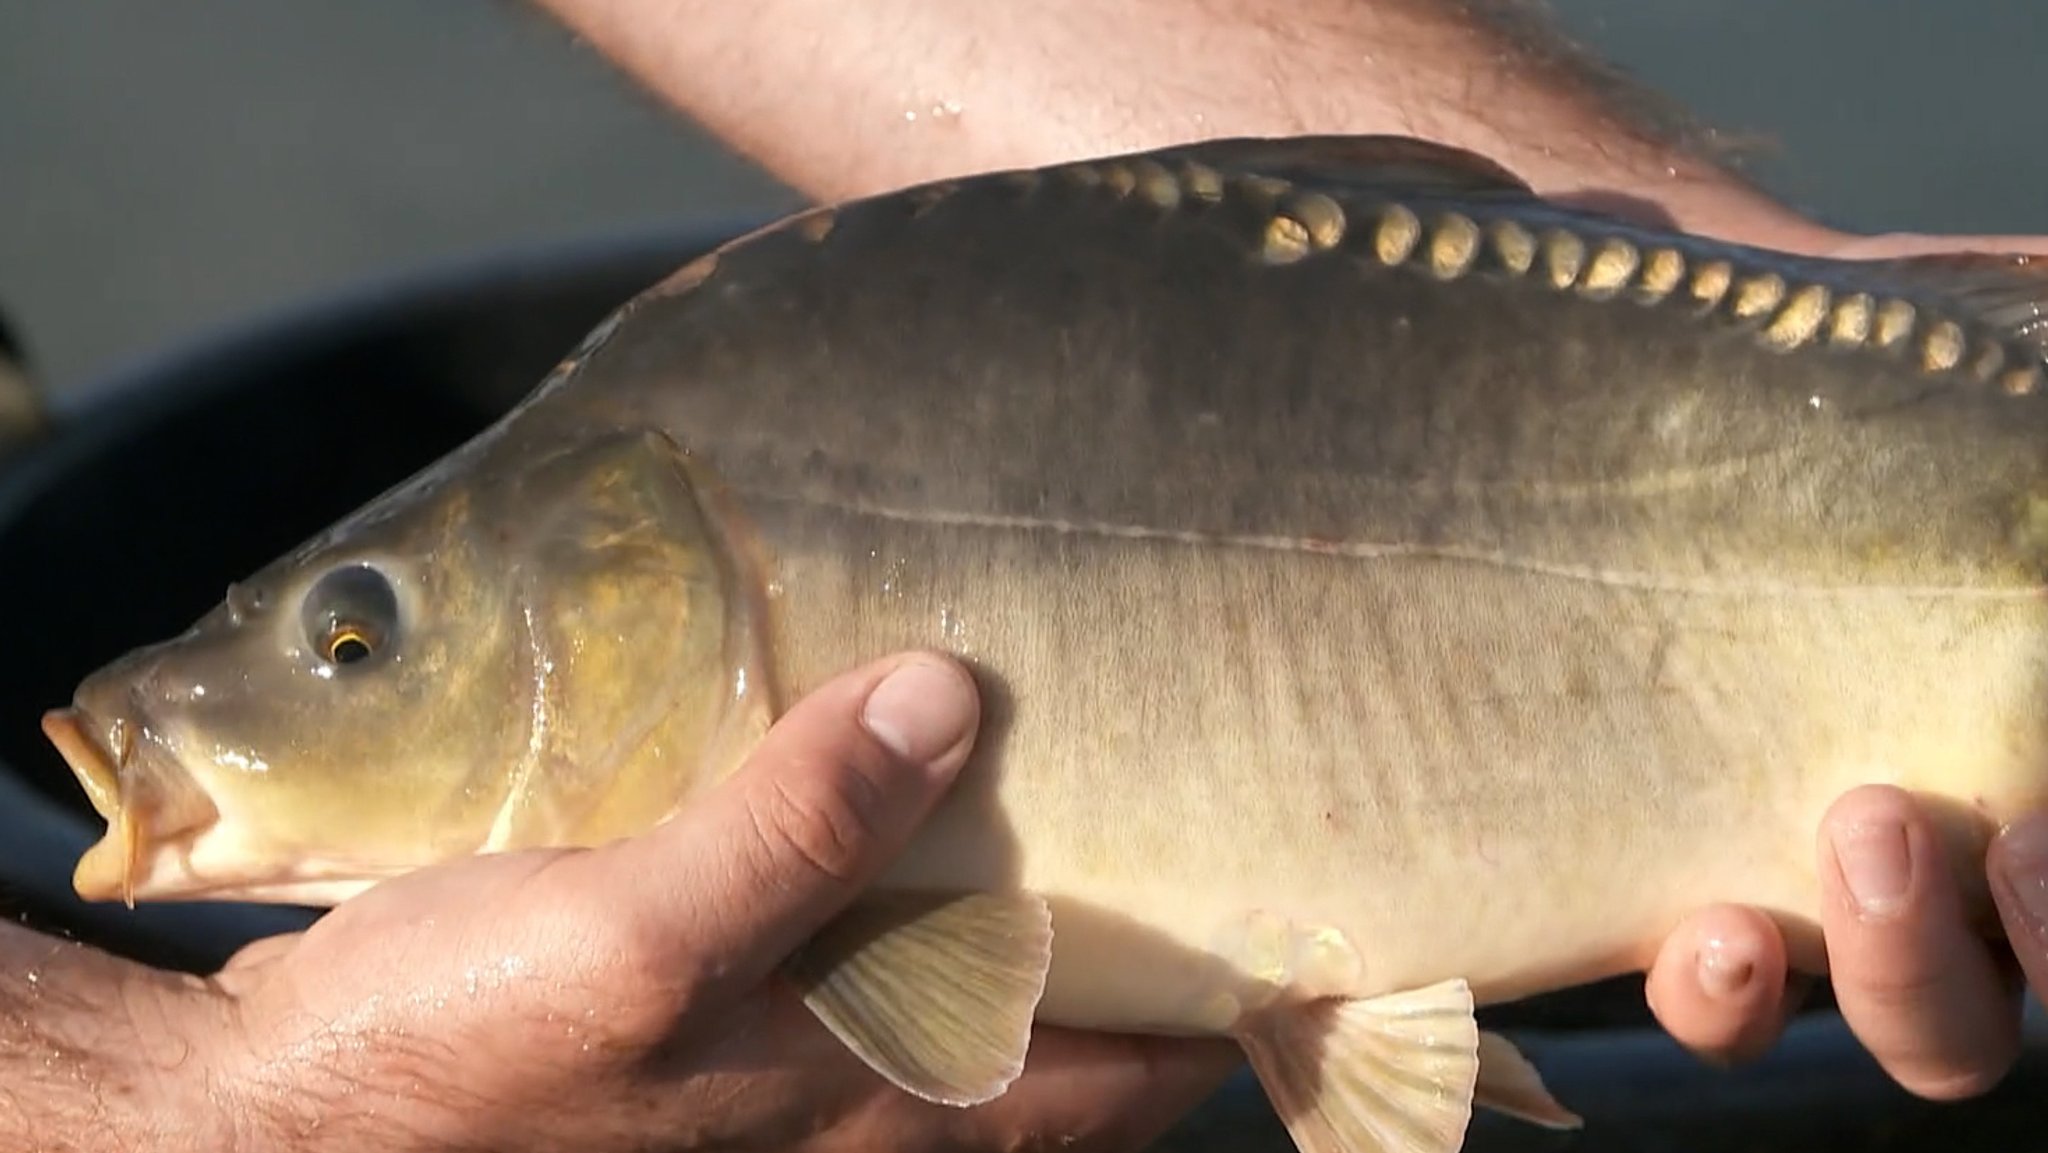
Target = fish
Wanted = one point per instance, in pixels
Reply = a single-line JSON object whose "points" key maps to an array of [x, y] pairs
{"points": [[1393, 593]]}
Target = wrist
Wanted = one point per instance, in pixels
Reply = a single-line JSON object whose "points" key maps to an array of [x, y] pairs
{"points": [[165, 1087], [100, 1053]]}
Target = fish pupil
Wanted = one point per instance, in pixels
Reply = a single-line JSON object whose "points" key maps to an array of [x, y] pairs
{"points": [[349, 648]]}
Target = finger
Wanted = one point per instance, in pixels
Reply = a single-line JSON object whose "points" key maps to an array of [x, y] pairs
{"points": [[754, 866], [1917, 986], [1718, 984], [1094, 1091], [1079, 1090], [1905, 244], [2018, 870]]}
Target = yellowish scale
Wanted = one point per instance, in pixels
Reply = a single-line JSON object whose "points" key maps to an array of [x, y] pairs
{"points": [[1800, 319], [1453, 247], [1663, 270], [1564, 254], [1849, 322], [1608, 272], [1895, 319], [1398, 233], [1710, 283], [1157, 185], [1756, 295], [1942, 348], [1514, 245]]}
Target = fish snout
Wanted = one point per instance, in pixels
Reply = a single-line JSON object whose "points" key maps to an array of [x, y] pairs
{"points": [[132, 781]]}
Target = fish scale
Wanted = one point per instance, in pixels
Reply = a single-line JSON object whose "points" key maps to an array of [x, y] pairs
{"points": [[1391, 593]]}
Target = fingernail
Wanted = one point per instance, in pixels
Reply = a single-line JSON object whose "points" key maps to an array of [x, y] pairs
{"points": [[1725, 969], [1876, 863], [2022, 864], [920, 710]]}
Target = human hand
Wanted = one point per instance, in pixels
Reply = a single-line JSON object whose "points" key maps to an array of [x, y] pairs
{"points": [[1934, 1001], [626, 997]]}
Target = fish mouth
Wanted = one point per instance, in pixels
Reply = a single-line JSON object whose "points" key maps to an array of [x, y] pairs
{"points": [[143, 795]]}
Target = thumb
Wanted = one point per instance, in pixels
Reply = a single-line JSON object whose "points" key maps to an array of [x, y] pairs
{"points": [[745, 873]]}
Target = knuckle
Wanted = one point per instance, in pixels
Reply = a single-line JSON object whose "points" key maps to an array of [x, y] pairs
{"points": [[635, 978], [1899, 988], [609, 952], [826, 827], [618, 951], [1907, 1001]]}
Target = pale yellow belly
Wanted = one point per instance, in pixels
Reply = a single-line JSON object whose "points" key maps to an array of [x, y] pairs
{"points": [[1207, 758]]}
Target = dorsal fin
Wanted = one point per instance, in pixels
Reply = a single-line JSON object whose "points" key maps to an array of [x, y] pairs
{"points": [[1404, 163]]}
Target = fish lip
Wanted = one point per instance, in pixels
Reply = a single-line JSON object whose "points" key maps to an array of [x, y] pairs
{"points": [[90, 759], [158, 815], [145, 797]]}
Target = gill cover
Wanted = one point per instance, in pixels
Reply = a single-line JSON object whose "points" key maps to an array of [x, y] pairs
{"points": [[636, 634]]}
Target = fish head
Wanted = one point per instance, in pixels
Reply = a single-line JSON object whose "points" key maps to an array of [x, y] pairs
{"points": [[524, 645]]}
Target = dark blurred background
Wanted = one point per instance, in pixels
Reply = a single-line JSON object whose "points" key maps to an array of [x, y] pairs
{"points": [[168, 167]]}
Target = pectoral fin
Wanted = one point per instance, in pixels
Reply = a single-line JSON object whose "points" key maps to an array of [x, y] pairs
{"points": [[1509, 1084], [1392, 1074], [934, 991]]}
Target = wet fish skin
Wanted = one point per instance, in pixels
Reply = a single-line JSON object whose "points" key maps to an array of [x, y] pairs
{"points": [[1350, 631]]}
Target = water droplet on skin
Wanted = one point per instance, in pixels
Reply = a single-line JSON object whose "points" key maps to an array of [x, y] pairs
{"points": [[953, 630], [892, 582]]}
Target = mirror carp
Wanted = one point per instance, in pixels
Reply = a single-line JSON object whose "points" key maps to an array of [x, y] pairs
{"points": [[1394, 593]]}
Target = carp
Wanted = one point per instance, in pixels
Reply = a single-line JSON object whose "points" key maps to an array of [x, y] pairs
{"points": [[1393, 592]]}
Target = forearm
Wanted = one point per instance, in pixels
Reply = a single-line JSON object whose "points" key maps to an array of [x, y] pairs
{"points": [[847, 97], [88, 1050]]}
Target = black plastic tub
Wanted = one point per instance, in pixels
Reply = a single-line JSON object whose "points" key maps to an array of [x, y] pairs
{"points": [[127, 520]]}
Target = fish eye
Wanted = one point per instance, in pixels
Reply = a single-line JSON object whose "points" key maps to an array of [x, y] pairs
{"points": [[350, 615]]}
